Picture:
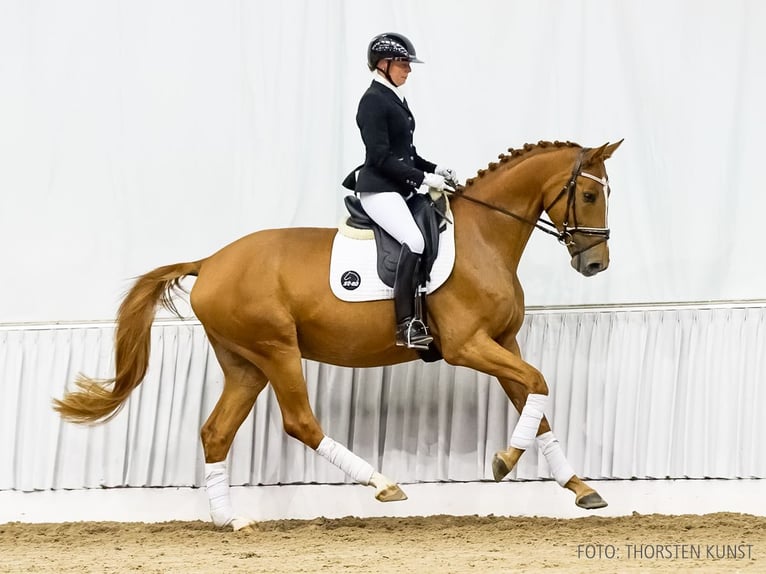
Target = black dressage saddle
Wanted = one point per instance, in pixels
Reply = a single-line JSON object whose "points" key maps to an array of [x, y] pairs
{"points": [[430, 217]]}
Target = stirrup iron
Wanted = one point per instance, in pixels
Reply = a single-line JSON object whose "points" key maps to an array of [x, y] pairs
{"points": [[414, 335]]}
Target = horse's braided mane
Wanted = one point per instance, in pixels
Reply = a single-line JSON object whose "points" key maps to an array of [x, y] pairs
{"points": [[515, 154]]}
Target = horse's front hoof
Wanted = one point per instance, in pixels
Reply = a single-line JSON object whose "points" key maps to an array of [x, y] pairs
{"points": [[391, 493], [591, 501], [499, 469], [504, 461]]}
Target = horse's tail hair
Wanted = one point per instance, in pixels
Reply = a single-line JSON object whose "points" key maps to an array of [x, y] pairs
{"points": [[98, 400]]}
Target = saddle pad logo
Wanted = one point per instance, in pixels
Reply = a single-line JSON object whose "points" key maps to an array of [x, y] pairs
{"points": [[350, 280]]}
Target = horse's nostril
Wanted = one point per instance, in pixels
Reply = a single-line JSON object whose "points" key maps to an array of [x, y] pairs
{"points": [[594, 268]]}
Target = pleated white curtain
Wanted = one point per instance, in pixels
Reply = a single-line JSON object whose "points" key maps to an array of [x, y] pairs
{"points": [[645, 393]]}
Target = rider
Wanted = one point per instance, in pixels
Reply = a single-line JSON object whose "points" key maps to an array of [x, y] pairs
{"points": [[393, 171]]}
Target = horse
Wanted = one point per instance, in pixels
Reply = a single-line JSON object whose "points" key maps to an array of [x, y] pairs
{"points": [[265, 305]]}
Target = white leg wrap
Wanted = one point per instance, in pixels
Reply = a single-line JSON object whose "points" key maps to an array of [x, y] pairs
{"points": [[524, 434], [217, 484], [346, 460], [560, 468]]}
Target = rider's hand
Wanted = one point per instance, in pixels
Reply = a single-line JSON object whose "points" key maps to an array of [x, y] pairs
{"points": [[447, 173], [436, 181]]}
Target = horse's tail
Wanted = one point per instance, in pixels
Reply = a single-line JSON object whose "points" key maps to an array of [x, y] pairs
{"points": [[98, 400]]}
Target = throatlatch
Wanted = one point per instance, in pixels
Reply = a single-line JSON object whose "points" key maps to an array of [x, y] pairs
{"points": [[411, 330]]}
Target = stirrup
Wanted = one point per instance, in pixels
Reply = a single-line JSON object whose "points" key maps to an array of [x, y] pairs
{"points": [[413, 335]]}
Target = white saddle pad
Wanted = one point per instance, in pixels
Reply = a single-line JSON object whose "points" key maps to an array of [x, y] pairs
{"points": [[354, 267]]}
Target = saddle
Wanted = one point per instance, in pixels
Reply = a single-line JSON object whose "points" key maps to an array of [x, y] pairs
{"points": [[429, 215]]}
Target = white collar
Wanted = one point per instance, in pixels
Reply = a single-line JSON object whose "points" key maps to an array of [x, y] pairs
{"points": [[378, 77]]}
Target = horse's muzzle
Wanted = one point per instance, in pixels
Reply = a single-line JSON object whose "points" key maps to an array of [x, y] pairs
{"points": [[589, 265]]}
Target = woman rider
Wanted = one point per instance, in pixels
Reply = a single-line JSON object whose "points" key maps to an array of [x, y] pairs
{"points": [[393, 171]]}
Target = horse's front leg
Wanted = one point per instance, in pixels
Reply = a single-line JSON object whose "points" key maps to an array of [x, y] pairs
{"points": [[484, 354], [561, 470]]}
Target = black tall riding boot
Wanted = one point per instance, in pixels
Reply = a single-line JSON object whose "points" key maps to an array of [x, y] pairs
{"points": [[411, 331]]}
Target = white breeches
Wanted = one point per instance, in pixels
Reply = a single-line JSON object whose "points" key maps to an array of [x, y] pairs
{"points": [[389, 210]]}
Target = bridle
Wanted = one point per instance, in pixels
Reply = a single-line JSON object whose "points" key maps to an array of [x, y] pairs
{"points": [[566, 235]]}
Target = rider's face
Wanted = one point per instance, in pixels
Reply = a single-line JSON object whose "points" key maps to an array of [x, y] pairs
{"points": [[399, 71]]}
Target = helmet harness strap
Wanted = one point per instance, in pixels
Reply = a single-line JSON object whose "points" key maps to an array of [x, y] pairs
{"points": [[386, 71]]}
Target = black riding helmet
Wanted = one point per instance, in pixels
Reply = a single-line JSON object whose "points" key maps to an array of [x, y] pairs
{"points": [[391, 46]]}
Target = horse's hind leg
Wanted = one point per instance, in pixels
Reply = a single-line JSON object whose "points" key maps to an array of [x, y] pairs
{"points": [[242, 384], [286, 375]]}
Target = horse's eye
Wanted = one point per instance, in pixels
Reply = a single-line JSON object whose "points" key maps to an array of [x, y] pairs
{"points": [[589, 197]]}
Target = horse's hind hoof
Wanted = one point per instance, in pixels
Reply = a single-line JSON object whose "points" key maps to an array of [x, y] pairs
{"points": [[391, 493], [591, 501], [242, 525]]}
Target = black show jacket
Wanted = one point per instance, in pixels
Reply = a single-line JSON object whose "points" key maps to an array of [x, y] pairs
{"points": [[391, 161]]}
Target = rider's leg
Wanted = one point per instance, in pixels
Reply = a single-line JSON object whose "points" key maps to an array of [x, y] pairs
{"points": [[410, 330], [390, 211]]}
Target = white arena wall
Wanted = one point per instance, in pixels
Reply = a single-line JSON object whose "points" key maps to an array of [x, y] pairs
{"points": [[668, 395]]}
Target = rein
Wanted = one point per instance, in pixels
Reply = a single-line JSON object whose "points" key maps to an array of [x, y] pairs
{"points": [[564, 237], [539, 224]]}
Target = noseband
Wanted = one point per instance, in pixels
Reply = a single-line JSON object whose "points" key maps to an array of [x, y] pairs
{"points": [[566, 235]]}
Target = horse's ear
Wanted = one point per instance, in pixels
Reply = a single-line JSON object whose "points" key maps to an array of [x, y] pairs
{"points": [[610, 149], [594, 155], [601, 154]]}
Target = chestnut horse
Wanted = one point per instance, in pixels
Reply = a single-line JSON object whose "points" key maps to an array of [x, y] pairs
{"points": [[265, 303]]}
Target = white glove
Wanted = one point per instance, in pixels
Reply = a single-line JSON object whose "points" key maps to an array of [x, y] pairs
{"points": [[437, 182], [447, 173]]}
